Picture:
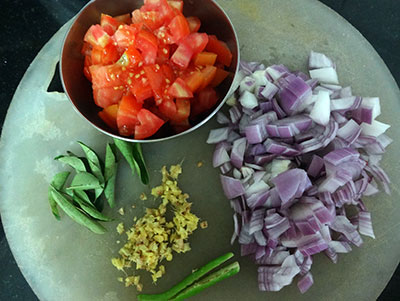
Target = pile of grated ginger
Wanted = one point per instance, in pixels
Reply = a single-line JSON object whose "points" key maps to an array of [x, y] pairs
{"points": [[153, 238]]}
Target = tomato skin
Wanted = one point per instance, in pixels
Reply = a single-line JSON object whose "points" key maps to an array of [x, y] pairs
{"points": [[194, 24], [224, 55], [180, 89], [96, 36], [127, 117], [106, 96], [109, 116], [149, 124], [147, 43], [179, 27]]}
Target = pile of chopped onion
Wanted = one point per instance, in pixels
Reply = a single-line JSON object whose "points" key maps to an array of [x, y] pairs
{"points": [[297, 153]]}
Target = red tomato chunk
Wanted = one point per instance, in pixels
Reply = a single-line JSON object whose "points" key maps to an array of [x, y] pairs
{"points": [[152, 67]]}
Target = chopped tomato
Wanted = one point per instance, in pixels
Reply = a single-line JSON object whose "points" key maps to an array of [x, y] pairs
{"points": [[180, 126], [156, 80], [124, 19], [109, 24], [168, 73], [220, 76], [147, 43], [180, 89], [204, 101], [182, 56], [109, 116], [208, 73], [149, 124], [105, 56], [164, 35], [182, 109], [107, 96], [131, 58], [163, 53], [141, 89], [127, 117], [194, 80], [166, 12], [177, 4], [125, 36], [151, 19], [153, 66], [96, 36], [205, 58], [196, 41], [168, 108], [224, 55], [107, 76], [194, 24], [179, 27]]}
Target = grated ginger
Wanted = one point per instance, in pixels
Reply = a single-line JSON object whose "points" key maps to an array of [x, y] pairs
{"points": [[153, 238]]}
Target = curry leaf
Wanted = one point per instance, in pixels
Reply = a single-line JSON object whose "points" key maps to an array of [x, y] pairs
{"points": [[73, 161], [94, 161], [84, 181], [58, 182]]}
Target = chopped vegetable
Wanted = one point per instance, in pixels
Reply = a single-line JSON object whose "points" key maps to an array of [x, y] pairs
{"points": [[153, 238], [152, 68], [295, 155], [189, 287]]}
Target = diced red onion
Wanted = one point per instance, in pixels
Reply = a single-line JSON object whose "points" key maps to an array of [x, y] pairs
{"points": [[247, 84], [232, 187], [321, 110], [278, 210], [218, 135], [326, 75], [305, 283], [248, 100], [318, 60]]}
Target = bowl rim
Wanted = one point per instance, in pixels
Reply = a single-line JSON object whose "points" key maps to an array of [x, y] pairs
{"points": [[188, 131]]}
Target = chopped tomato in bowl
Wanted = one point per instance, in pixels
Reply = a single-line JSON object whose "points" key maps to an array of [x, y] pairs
{"points": [[153, 73]]}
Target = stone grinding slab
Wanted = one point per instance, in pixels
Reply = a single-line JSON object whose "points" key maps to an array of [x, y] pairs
{"points": [[63, 261]]}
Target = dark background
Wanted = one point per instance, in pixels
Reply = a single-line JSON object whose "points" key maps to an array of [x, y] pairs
{"points": [[26, 26]]}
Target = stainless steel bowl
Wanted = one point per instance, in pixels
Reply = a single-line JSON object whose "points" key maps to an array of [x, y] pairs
{"points": [[78, 88]]}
